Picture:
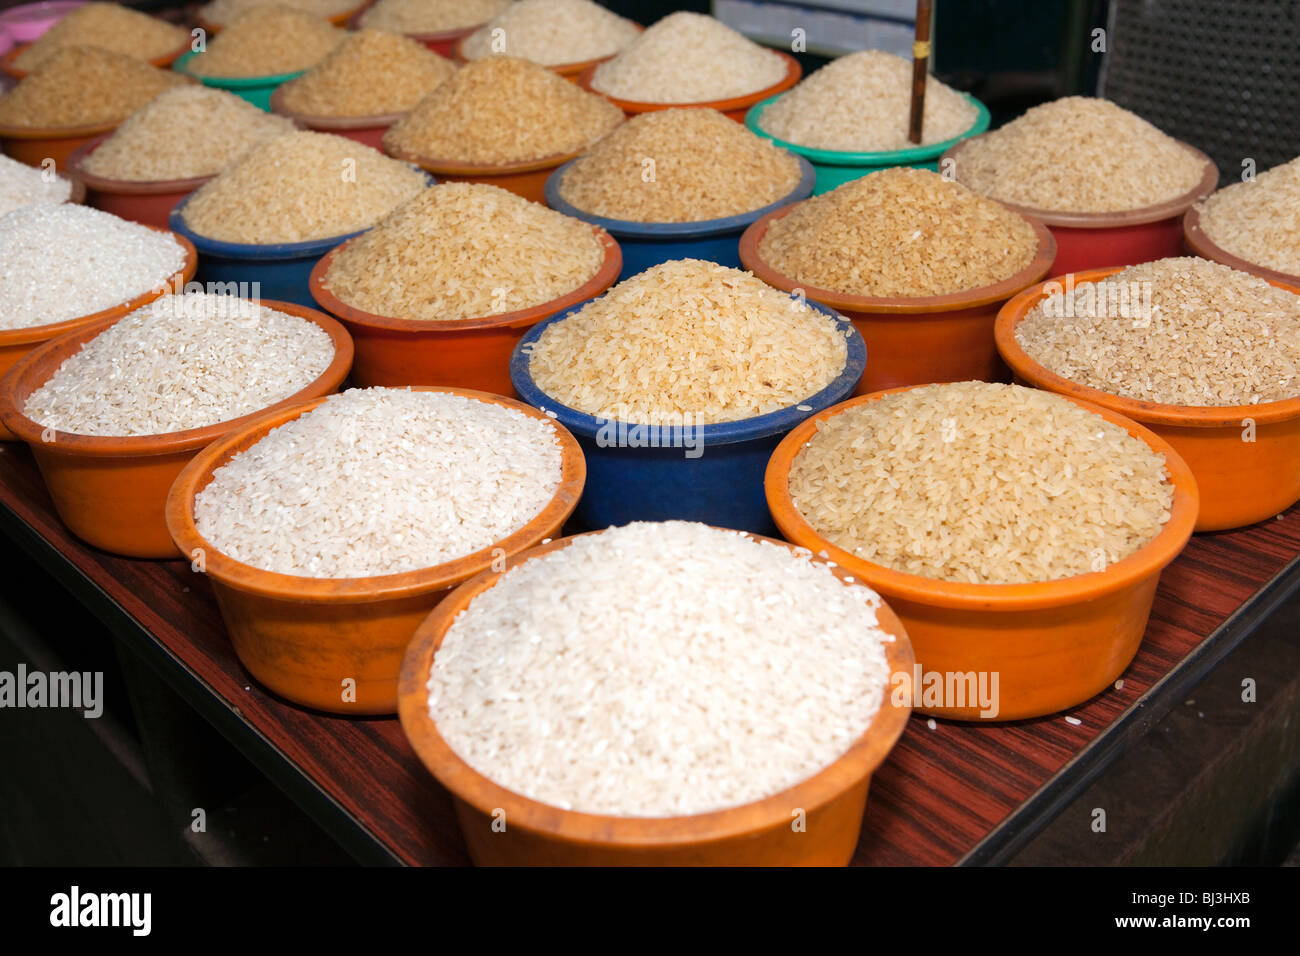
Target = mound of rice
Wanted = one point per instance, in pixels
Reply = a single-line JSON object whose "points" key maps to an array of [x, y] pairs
{"points": [[980, 483], [688, 338], [502, 110], [1079, 154], [108, 26], [220, 13], [552, 32], [461, 251], [862, 103], [84, 86], [268, 41], [381, 481], [430, 16], [185, 133], [1259, 221], [688, 58], [751, 670], [298, 187], [183, 361], [899, 232], [63, 262], [23, 185], [1176, 331], [372, 73], [679, 165]]}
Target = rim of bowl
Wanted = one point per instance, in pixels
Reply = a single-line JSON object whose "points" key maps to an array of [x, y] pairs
{"points": [[58, 132], [233, 82], [1148, 559], [454, 168], [630, 229], [338, 19], [720, 433], [832, 157], [1167, 209], [273, 584], [125, 187], [793, 73], [330, 122], [564, 69], [179, 278], [7, 60], [605, 277], [1039, 266], [22, 380], [1199, 241], [860, 761], [1187, 416]]}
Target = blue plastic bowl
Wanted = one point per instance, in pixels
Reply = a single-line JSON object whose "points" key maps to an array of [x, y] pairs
{"points": [[647, 244], [722, 486]]}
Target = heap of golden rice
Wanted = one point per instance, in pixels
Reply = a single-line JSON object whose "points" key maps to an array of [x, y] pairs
{"points": [[268, 41], [109, 26], [84, 86]]}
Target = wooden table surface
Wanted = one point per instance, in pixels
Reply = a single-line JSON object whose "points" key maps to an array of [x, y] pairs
{"points": [[957, 793]]}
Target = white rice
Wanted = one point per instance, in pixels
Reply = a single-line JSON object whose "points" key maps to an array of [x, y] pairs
{"points": [[23, 185], [552, 32]]}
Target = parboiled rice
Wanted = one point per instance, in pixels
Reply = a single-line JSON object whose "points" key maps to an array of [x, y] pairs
{"points": [[552, 32], [220, 13], [732, 670], [181, 362], [381, 481], [109, 26], [462, 251], [430, 16], [1176, 331], [688, 342], [899, 232], [981, 483], [23, 185], [1259, 221], [267, 41]]}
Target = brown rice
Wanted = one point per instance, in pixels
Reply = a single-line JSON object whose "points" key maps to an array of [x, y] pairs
{"points": [[267, 41], [108, 26]]}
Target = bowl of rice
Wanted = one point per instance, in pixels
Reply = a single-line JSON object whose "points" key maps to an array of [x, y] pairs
{"points": [[215, 16], [503, 121], [734, 719], [113, 411], [679, 382], [441, 290], [23, 185], [438, 24], [1253, 225], [850, 118], [329, 530], [1204, 355], [678, 184], [133, 266], [566, 36], [1112, 187], [28, 22], [920, 264], [1019, 535], [109, 26], [266, 219]]}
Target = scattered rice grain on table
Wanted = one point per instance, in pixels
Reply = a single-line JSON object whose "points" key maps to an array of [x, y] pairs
{"points": [[221, 13], [185, 133], [371, 73], [1079, 154], [704, 166], [181, 362], [109, 26], [23, 185], [298, 187], [899, 232], [503, 110], [1259, 221], [84, 86], [981, 483], [751, 670], [267, 41], [862, 103], [688, 58], [1182, 331], [552, 32], [64, 262], [461, 251], [381, 481], [689, 338], [430, 16]]}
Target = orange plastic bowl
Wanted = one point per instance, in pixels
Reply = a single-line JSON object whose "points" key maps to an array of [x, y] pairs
{"points": [[33, 145], [149, 203], [736, 107], [1202, 245], [16, 343], [526, 179], [303, 637], [111, 492], [1089, 240], [1053, 644], [8, 67], [368, 130], [915, 341], [754, 834], [1240, 481], [466, 353]]}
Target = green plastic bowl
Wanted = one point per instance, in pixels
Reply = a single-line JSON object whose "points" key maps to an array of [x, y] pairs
{"points": [[256, 89], [836, 168]]}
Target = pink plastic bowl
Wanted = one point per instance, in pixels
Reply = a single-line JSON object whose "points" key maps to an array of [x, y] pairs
{"points": [[26, 23]]}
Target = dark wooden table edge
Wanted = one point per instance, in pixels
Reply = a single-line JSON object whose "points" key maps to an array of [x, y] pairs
{"points": [[1020, 826]]}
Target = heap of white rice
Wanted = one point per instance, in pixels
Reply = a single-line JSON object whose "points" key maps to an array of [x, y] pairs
{"points": [[1259, 221], [552, 32], [23, 185], [183, 361], [688, 58], [220, 13], [732, 671], [381, 481], [63, 262], [430, 16]]}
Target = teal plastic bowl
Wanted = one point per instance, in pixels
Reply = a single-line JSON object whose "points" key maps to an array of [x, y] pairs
{"points": [[256, 89], [837, 168]]}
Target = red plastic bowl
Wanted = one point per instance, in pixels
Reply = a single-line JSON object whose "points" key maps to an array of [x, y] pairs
{"points": [[149, 203]]}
